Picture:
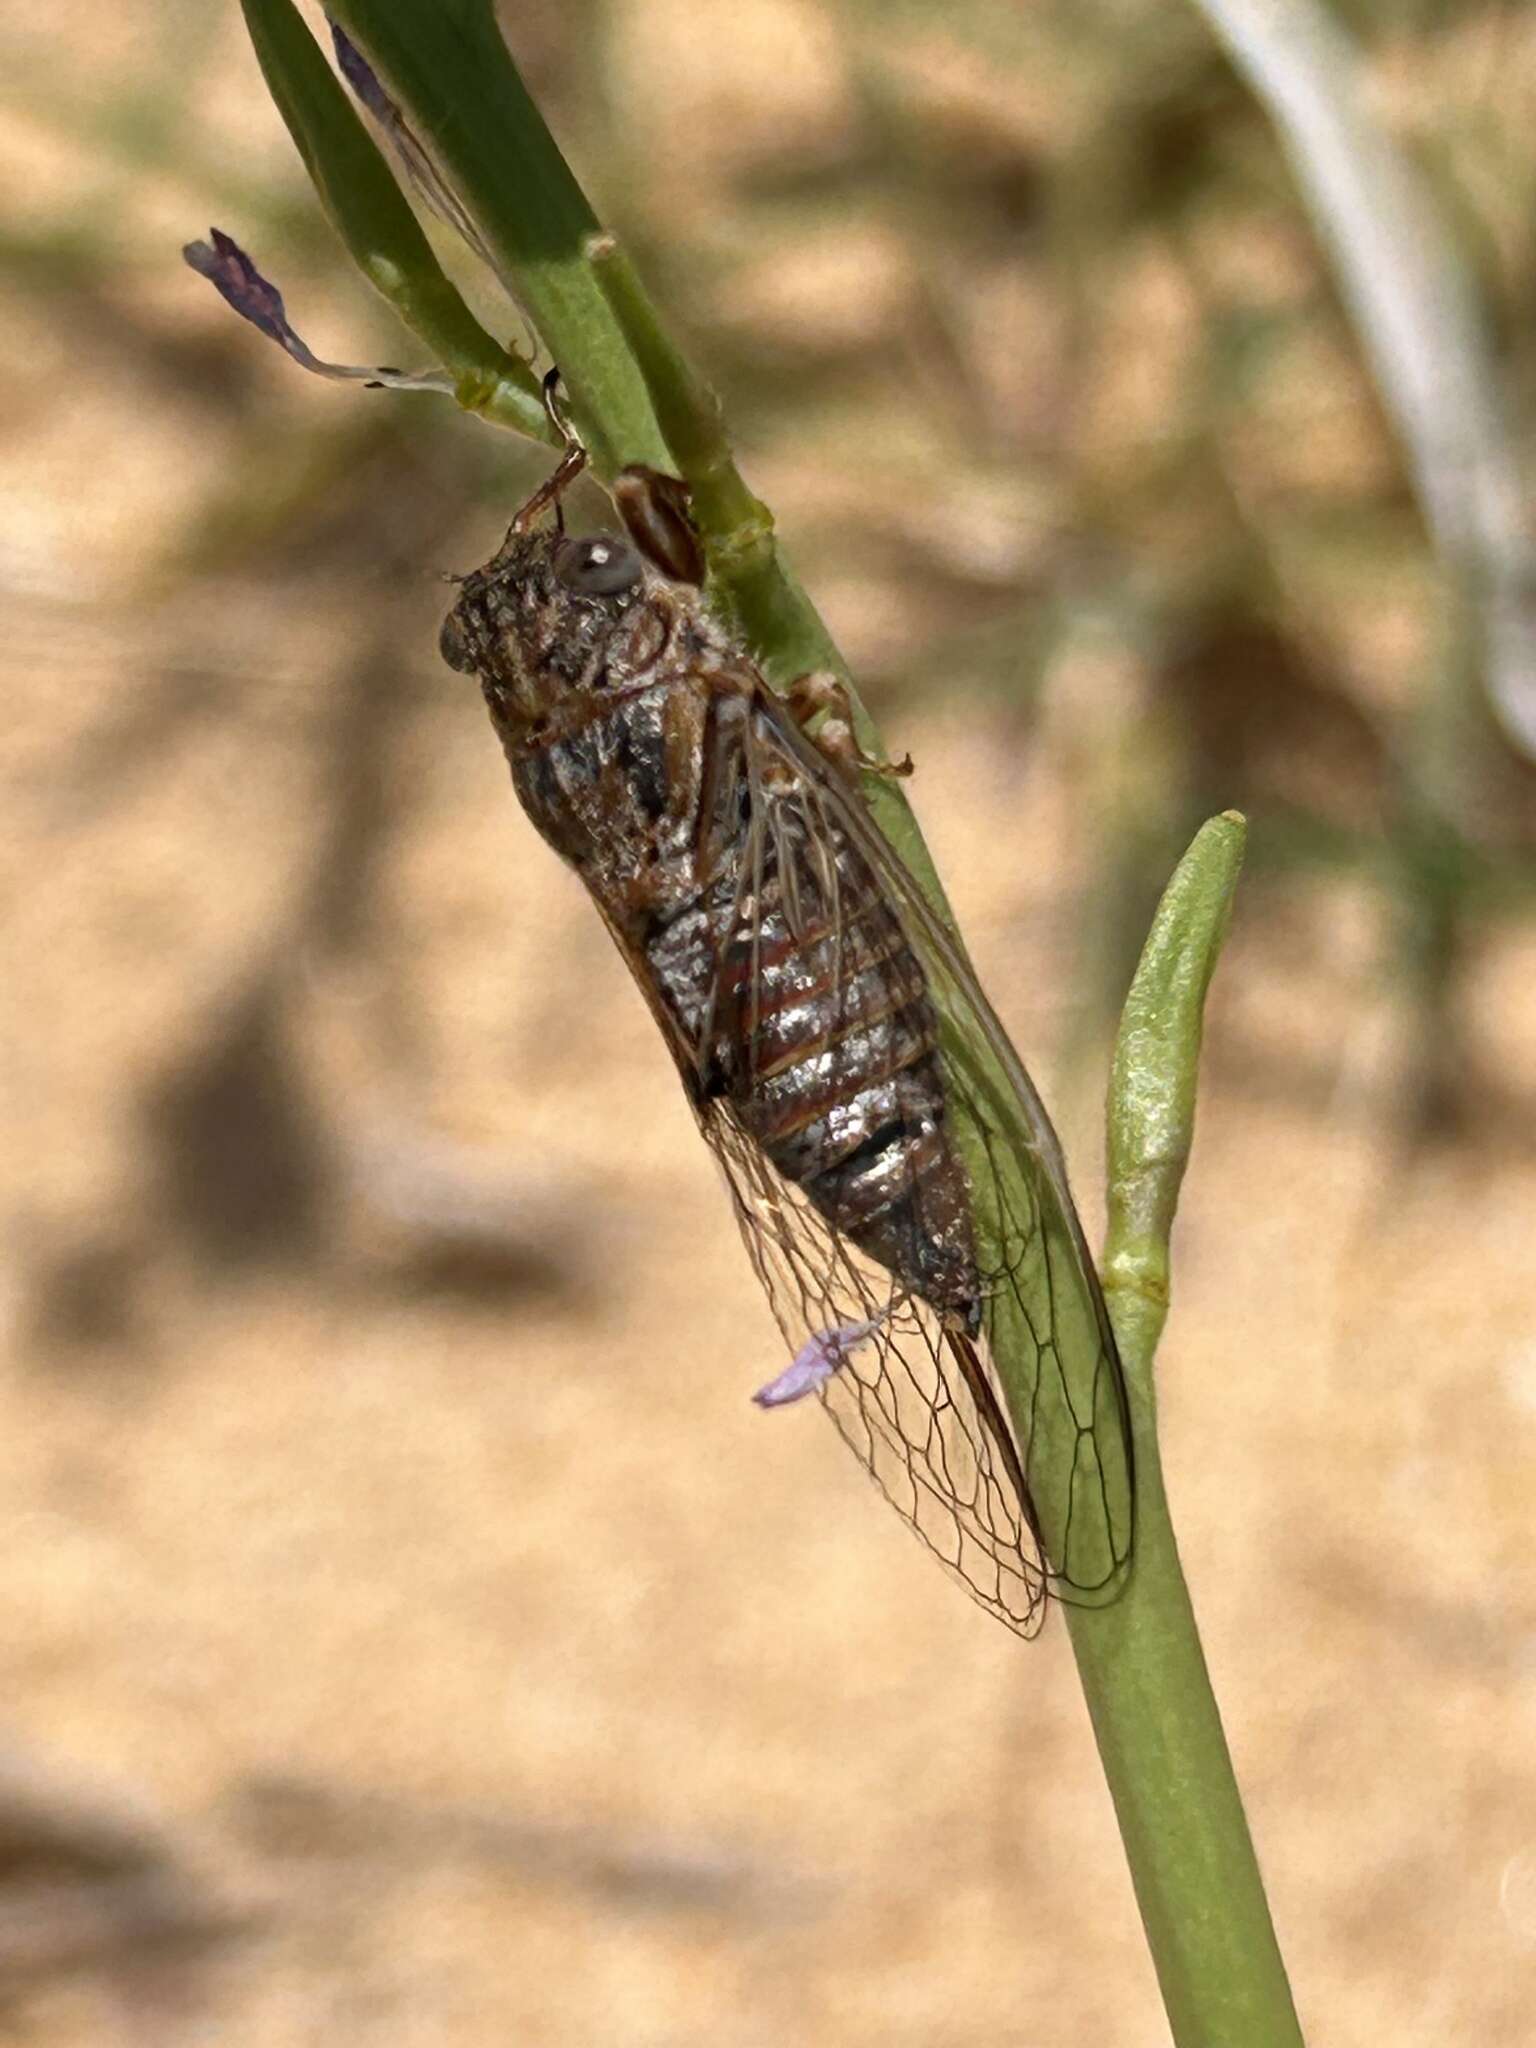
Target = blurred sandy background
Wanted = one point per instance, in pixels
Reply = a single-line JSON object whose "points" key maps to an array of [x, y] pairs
{"points": [[409, 1633]]}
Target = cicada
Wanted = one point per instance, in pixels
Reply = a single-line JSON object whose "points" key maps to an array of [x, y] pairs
{"points": [[899, 1187]]}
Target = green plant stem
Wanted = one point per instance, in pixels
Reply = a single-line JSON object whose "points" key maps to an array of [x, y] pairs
{"points": [[1149, 1694], [1170, 1774], [635, 400]]}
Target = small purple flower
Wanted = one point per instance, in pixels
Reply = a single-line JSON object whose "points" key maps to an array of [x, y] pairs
{"points": [[235, 277], [255, 298], [815, 1363]]}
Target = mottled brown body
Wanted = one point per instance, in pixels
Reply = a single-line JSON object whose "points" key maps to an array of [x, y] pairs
{"points": [[648, 751]]}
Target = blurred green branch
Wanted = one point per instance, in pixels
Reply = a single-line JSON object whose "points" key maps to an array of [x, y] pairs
{"points": [[1419, 324], [1424, 336]]}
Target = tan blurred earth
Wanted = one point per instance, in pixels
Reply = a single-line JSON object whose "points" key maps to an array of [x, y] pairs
{"points": [[411, 1632]]}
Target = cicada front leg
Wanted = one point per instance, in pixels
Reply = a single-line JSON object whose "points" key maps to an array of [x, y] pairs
{"points": [[810, 696]]}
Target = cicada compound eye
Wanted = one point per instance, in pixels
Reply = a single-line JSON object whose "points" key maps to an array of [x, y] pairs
{"points": [[453, 644], [600, 565]]}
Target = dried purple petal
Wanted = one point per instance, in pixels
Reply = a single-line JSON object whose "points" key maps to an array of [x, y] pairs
{"points": [[361, 76], [235, 277], [255, 298], [815, 1363]]}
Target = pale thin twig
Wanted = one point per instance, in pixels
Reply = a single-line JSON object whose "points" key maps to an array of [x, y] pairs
{"points": [[1418, 321]]}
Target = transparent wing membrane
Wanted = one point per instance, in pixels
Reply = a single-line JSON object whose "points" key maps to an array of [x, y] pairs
{"points": [[901, 1400]]}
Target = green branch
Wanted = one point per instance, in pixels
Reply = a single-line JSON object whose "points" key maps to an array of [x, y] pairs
{"points": [[634, 399]]}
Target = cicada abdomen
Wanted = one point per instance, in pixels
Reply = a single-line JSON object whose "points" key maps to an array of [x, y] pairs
{"points": [[805, 1008], [791, 964]]}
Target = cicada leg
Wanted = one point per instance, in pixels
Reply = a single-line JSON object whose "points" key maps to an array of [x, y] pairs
{"points": [[549, 494], [825, 696], [573, 460]]}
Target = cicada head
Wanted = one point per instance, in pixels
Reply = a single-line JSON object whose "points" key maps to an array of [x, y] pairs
{"points": [[553, 613]]}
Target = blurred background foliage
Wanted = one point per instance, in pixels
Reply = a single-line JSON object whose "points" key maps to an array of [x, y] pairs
{"points": [[1023, 331]]}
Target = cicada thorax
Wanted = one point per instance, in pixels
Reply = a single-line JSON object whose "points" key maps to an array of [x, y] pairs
{"points": [[642, 745]]}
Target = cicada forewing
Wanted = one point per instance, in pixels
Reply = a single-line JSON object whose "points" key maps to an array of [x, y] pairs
{"points": [[1023, 1488]]}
